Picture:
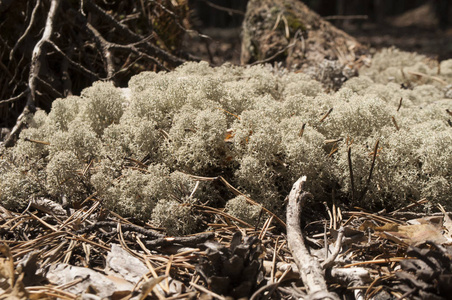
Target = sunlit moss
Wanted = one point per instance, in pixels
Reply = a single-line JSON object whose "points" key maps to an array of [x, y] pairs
{"points": [[257, 127]]}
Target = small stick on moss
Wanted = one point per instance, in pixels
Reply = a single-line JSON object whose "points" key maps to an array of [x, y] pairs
{"points": [[37, 142], [228, 112], [370, 172], [333, 141], [326, 115], [286, 26], [448, 111], [333, 150], [278, 19], [400, 104], [137, 162], [349, 141], [300, 134], [395, 123], [351, 172], [88, 166], [419, 74]]}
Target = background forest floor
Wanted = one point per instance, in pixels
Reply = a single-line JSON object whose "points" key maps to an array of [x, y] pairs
{"points": [[225, 43]]}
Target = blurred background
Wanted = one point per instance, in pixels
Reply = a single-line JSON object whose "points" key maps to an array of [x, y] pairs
{"points": [[412, 25]]}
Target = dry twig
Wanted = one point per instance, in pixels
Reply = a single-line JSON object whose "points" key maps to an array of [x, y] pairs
{"points": [[310, 270]]}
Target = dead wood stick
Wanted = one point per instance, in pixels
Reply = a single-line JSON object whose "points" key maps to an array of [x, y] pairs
{"points": [[186, 241], [37, 58], [310, 270], [27, 31], [103, 46], [126, 227], [126, 32], [35, 67], [337, 248]]}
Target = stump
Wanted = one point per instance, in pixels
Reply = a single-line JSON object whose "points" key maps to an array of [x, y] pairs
{"points": [[288, 31]]}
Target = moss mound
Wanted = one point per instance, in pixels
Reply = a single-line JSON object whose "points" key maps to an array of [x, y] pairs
{"points": [[259, 128]]}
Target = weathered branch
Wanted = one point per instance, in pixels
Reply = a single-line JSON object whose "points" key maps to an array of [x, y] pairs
{"points": [[104, 47], [36, 59], [15, 98], [32, 21], [125, 31], [310, 270], [107, 46], [72, 62], [337, 248], [35, 67]]}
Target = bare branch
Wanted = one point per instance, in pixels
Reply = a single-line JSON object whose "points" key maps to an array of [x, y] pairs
{"points": [[49, 87], [12, 99], [33, 75], [107, 46], [125, 31], [104, 46], [310, 270], [37, 52], [75, 64], [32, 21], [337, 248]]}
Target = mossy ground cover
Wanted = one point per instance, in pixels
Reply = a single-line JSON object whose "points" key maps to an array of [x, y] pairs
{"points": [[214, 152], [258, 127]]}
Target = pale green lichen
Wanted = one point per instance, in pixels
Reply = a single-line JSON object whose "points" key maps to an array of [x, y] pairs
{"points": [[238, 207], [64, 175], [258, 127], [196, 140], [16, 186], [102, 105], [136, 192], [177, 218]]}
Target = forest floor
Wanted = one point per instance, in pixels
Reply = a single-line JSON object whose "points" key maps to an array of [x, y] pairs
{"points": [[224, 45], [51, 255]]}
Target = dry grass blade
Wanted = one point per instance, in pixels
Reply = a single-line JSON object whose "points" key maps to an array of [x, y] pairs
{"points": [[203, 289], [375, 152], [350, 168]]}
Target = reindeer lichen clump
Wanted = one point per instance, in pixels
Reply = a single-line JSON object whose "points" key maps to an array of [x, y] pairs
{"points": [[383, 139]]}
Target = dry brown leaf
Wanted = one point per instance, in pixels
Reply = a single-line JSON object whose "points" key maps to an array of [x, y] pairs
{"points": [[18, 291], [7, 266], [148, 286], [415, 234]]}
